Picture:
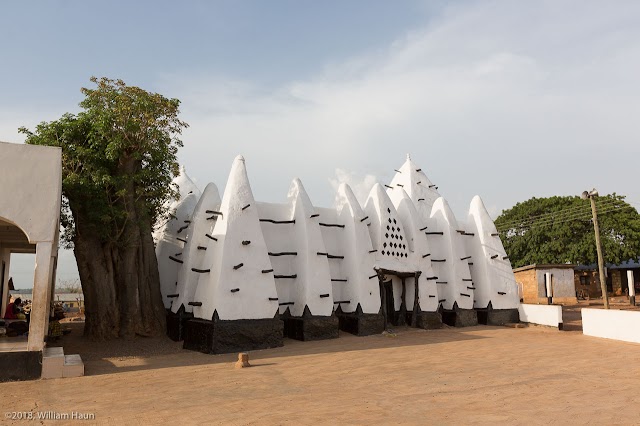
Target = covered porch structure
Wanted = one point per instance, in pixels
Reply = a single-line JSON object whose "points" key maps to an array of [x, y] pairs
{"points": [[30, 194]]}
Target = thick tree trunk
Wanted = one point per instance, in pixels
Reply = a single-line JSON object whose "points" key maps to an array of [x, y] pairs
{"points": [[120, 280], [121, 287], [95, 266]]}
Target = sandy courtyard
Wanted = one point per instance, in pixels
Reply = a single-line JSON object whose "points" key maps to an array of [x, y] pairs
{"points": [[480, 374]]}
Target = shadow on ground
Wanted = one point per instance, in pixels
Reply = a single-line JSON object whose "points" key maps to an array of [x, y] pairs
{"points": [[155, 353]]}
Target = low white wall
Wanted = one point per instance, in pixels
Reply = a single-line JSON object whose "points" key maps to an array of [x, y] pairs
{"points": [[550, 315], [611, 324]]}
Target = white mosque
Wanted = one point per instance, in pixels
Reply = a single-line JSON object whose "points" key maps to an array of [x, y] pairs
{"points": [[237, 274]]}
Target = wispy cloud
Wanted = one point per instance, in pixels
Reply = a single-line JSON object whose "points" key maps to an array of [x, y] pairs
{"points": [[504, 99], [360, 185]]}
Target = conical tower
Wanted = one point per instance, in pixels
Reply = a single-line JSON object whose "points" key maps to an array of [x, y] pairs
{"points": [[185, 184], [419, 255], [170, 244], [496, 287], [417, 185], [185, 187], [310, 313], [236, 290], [455, 286], [387, 230], [202, 223], [357, 298]]}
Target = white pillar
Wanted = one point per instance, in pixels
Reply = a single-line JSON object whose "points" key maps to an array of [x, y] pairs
{"points": [[40, 304], [549, 287], [630, 283]]}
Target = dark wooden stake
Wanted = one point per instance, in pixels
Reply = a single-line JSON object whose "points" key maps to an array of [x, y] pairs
{"points": [[414, 320]]}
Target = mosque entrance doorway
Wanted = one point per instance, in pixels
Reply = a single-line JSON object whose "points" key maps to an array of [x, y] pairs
{"points": [[387, 303], [398, 286]]}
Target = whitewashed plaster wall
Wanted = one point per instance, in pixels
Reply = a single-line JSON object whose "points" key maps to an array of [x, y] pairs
{"points": [[420, 189], [611, 324], [387, 232], [389, 237], [438, 217], [358, 266], [31, 189], [185, 186], [419, 255], [293, 248], [315, 288], [278, 237], [353, 238], [490, 270], [550, 315], [237, 285], [449, 259], [198, 236], [170, 245], [31, 194]]}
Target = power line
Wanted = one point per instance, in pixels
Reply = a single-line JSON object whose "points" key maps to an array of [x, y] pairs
{"points": [[560, 213], [575, 216], [584, 216], [565, 218], [563, 211], [579, 217]]}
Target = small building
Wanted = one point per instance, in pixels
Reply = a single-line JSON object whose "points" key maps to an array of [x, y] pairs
{"points": [[587, 278], [532, 283], [71, 302]]}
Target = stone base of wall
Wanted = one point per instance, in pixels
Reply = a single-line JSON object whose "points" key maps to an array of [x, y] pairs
{"points": [[460, 317], [401, 318], [359, 323], [497, 316], [220, 337], [20, 366], [311, 327], [426, 320], [176, 323]]}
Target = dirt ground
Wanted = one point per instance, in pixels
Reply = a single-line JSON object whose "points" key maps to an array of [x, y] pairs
{"points": [[532, 375]]}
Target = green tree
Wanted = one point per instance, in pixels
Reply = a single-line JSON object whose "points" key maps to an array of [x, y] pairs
{"points": [[118, 161], [560, 230]]}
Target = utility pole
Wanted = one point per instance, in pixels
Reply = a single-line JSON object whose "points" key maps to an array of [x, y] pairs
{"points": [[603, 284]]}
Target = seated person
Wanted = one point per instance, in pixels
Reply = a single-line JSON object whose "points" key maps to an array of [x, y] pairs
{"points": [[14, 312], [55, 330], [13, 309]]}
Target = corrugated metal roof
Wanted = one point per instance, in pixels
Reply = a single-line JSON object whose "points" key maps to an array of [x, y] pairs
{"points": [[628, 264], [545, 266]]}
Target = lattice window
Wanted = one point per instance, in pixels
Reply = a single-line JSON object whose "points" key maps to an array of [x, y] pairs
{"points": [[393, 244]]}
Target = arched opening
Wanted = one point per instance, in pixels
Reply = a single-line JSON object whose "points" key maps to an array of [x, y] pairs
{"points": [[14, 246], [31, 193], [14, 241]]}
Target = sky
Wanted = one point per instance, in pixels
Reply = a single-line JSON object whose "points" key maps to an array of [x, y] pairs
{"points": [[504, 99]]}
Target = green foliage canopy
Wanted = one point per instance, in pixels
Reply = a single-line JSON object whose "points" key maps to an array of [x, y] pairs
{"points": [[125, 140], [560, 230]]}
